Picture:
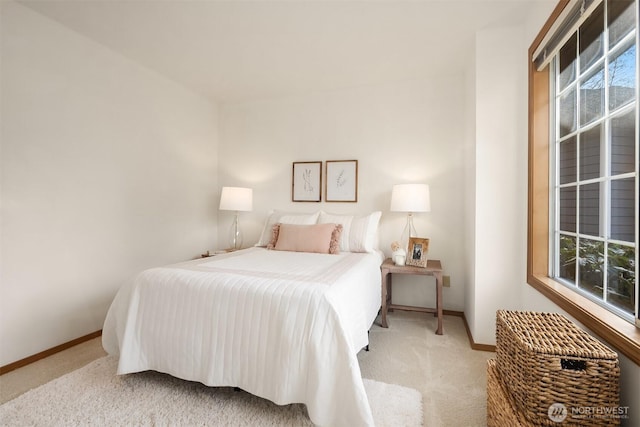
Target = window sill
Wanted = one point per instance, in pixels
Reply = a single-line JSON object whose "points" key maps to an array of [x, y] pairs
{"points": [[618, 333]]}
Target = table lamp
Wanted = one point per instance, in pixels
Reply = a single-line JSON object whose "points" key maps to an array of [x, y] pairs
{"points": [[236, 199], [410, 198]]}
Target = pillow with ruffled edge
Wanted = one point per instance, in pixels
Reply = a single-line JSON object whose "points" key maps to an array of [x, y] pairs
{"points": [[359, 234], [316, 238], [284, 218]]}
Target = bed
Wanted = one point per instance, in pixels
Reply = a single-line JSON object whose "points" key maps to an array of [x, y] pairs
{"points": [[282, 325]]}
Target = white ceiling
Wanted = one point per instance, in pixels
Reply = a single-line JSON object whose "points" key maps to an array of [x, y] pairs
{"points": [[239, 50]]}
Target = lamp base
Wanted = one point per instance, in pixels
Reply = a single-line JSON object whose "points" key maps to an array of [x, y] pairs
{"points": [[408, 232], [235, 235]]}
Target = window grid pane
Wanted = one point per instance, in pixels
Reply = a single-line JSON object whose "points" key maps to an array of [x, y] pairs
{"points": [[592, 97], [596, 130], [590, 153], [591, 266], [622, 82], [567, 113], [568, 209], [590, 210], [568, 258], [620, 19], [591, 38], [623, 209], [623, 143], [567, 160], [568, 59], [621, 277]]}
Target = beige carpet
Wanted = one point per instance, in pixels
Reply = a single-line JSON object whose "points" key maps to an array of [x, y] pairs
{"points": [[449, 374], [95, 396]]}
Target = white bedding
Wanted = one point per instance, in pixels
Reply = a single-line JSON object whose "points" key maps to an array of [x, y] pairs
{"points": [[285, 326]]}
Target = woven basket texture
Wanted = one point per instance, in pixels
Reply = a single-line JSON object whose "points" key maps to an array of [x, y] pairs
{"points": [[545, 358], [501, 410]]}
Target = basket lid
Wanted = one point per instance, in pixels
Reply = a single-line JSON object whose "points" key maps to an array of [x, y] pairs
{"points": [[553, 333]]}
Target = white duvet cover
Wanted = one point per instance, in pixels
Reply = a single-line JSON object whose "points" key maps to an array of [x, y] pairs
{"points": [[285, 326]]}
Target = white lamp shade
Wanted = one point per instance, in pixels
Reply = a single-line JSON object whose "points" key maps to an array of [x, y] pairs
{"points": [[410, 198], [236, 199]]}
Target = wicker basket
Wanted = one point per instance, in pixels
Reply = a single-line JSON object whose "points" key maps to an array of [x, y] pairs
{"points": [[545, 359], [501, 410]]}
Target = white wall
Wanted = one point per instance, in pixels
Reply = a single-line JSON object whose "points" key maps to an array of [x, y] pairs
{"points": [[399, 133], [107, 168], [500, 178], [469, 248]]}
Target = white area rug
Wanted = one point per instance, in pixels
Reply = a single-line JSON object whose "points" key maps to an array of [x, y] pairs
{"points": [[95, 396]]}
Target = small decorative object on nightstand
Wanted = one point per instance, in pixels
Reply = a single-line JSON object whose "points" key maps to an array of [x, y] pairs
{"points": [[433, 268], [399, 255]]}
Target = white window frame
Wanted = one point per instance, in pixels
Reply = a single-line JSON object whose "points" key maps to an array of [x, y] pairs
{"points": [[605, 178]]}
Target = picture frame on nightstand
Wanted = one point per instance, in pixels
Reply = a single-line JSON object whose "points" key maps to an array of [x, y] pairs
{"points": [[417, 252]]}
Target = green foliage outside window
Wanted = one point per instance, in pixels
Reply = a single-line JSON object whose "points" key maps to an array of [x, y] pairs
{"points": [[621, 269]]}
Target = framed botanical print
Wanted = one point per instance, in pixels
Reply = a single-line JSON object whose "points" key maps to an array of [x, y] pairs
{"points": [[342, 181], [306, 182], [417, 253]]}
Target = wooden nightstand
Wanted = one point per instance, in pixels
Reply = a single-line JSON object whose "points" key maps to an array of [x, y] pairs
{"points": [[434, 268]]}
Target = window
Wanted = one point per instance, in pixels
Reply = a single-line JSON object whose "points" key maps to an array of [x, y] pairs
{"points": [[594, 152], [583, 203]]}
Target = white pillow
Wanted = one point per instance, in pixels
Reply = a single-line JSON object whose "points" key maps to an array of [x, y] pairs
{"points": [[358, 233], [345, 220], [284, 218]]}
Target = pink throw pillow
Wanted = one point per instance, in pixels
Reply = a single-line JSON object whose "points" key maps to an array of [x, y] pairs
{"points": [[317, 238]]}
